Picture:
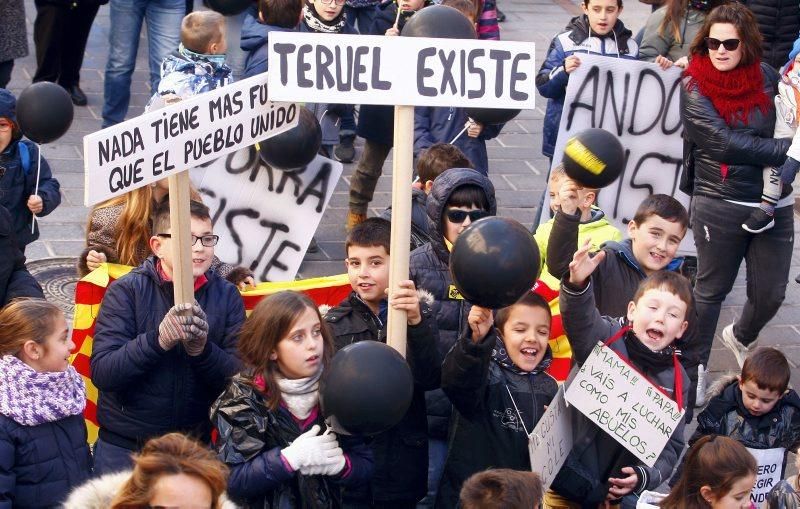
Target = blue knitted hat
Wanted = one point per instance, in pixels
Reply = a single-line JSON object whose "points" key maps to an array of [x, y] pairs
{"points": [[795, 51], [8, 105]]}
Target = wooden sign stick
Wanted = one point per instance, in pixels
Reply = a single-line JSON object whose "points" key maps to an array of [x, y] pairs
{"points": [[181, 235]]}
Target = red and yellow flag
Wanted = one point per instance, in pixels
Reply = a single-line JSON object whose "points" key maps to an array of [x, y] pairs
{"points": [[89, 292]]}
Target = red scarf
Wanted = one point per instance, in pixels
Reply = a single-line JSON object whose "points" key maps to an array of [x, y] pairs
{"points": [[734, 94]]}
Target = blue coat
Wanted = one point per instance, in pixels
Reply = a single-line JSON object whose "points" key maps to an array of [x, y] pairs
{"points": [[441, 125], [144, 390], [551, 80], [254, 43], [40, 465], [15, 280]]}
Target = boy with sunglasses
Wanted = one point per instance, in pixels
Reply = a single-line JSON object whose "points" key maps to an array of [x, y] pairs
{"points": [[18, 165], [160, 366]]}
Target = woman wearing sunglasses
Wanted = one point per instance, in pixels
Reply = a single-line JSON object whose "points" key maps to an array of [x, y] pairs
{"points": [[728, 116]]}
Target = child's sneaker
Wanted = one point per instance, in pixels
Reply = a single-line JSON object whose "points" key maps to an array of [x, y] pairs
{"points": [[759, 221], [734, 345], [702, 380]]}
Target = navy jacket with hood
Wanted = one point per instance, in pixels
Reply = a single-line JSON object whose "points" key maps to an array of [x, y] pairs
{"points": [[254, 43], [15, 280], [429, 268], [144, 390]]}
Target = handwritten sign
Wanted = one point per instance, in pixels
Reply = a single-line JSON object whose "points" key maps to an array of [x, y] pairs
{"points": [[265, 218], [624, 404], [640, 104], [769, 473], [551, 440], [158, 144], [410, 71]]}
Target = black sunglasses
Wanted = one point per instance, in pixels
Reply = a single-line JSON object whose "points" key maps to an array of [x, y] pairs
{"points": [[459, 216], [714, 44], [205, 240]]}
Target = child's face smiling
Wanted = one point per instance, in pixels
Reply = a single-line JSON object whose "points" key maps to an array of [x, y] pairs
{"points": [[658, 318], [368, 271], [655, 242], [525, 335]]}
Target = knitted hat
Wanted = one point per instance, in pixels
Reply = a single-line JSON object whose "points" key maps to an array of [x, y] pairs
{"points": [[795, 51], [8, 105]]}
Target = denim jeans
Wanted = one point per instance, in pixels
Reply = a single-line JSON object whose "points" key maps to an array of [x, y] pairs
{"points": [[722, 244], [163, 18], [109, 458], [437, 455]]}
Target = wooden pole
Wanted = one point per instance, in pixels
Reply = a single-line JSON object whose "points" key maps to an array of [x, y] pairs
{"points": [[181, 231], [402, 171]]}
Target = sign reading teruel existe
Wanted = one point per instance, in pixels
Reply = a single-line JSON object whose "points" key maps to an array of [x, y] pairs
{"points": [[401, 71]]}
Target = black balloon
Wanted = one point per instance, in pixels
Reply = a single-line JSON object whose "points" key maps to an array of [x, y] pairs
{"points": [[296, 147], [593, 157], [44, 112], [439, 21], [229, 7], [366, 389], [491, 115], [494, 262]]}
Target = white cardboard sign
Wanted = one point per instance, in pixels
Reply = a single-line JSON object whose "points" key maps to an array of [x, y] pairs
{"points": [[411, 71], [640, 104], [624, 404], [265, 218], [770, 472], [551, 440], [160, 143]]}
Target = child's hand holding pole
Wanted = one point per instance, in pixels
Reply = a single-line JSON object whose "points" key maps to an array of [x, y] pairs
{"points": [[480, 321]]}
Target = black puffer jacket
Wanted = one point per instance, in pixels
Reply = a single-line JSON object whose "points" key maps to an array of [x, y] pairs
{"points": [[709, 143], [401, 453], [430, 269], [779, 23]]}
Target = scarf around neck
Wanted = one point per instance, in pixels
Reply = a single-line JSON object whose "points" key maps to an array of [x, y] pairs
{"points": [[30, 398], [301, 395], [317, 24], [735, 94], [500, 356]]}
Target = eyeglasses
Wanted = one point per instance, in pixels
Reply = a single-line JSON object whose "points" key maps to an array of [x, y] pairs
{"points": [[205, 240], [714, 44], [329, 2], [456, 216], [5, 125]]}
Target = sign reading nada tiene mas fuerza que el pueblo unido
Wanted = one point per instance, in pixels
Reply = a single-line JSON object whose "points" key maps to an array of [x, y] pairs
{"points": [[177, 137]]}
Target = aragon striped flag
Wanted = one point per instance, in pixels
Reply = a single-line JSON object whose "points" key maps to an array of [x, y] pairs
{"points": [[89, 292]]}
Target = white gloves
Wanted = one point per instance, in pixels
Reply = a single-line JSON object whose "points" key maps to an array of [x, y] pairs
{"points": [[315, 454]]}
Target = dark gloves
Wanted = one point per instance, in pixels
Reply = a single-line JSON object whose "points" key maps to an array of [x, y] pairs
{"points": [[789, 170]]}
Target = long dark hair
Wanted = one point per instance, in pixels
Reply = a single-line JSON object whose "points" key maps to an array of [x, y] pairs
{"points": [[675, 16], [746, 26]]}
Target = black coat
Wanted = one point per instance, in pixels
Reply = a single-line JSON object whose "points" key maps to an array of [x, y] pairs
{"points": [[401, 453], [145, 391], [15, 280], [40, 465], [486, 432], [745, 147], [779, 23]]}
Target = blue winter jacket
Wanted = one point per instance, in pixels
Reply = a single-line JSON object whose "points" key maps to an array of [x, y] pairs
{"points": [[40, 465], [254, 42], [144, 390], [552, 79], [17, 185], [441, 125]]}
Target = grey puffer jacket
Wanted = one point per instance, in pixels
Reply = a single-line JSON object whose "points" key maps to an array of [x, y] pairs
{"points": [[13, 36], [745, 148], [430, 269]]}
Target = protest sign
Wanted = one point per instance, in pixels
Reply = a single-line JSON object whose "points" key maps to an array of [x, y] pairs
{"points": [[166, 141], [769, 473], [551, 440], [640, 104], [265, 218], [414, 71], [624, 404]]}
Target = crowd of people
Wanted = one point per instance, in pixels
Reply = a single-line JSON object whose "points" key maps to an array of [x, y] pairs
{"points": [[202, 406]]}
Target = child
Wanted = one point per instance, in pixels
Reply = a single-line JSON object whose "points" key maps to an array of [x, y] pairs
{"points": [[401, 455], [593, 225], [269, 421], [15, 280], [502, 488], [756, 409], [599, 468], [597, 31], [43, 448], [719, 474], [458, 197], [261, 19], [159, 366], [198, 65], [491, 372], [18, 163], [376, 122]]}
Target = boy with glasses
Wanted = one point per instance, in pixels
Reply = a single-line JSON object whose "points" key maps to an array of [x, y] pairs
{"points": [[159, 367]]}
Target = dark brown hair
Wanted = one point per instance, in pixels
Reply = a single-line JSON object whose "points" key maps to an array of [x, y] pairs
{"points": [[530, 299], [200, 29], [161, 217], [502, 488], [280, 13], [768, 368], [586, 3], [742, 19], [668, 281], [663, 206], [373, 232], [674, 20], [467, 7], [269, 323], [26, 320], [439, 157], [171, 454], [713, 461]]}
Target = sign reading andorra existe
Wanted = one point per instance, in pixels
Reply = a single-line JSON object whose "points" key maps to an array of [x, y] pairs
{"points": [[411, 71], [163, 142]]}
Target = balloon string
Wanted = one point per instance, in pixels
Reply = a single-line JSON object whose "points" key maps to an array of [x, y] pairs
{"points": [[459, 134], [397, 19], [36, 189]]}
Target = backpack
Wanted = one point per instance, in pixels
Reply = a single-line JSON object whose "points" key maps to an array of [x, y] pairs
{"points": [[25, 158]]}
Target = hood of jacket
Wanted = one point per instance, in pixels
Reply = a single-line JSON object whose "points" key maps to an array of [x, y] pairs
{"points": [[580, 31], [178, 62], [443, 187]]}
